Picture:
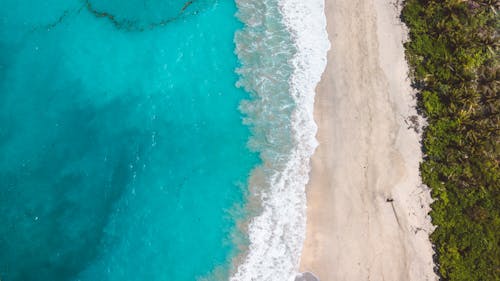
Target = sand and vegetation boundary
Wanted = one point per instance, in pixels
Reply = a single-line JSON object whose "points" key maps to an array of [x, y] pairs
{"points": [[453, 56]]}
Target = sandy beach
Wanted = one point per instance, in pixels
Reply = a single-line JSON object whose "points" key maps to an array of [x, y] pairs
{"points": [[367, 209]]}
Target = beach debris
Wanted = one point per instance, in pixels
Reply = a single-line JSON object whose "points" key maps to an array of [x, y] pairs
{"points": [[413, 123]]}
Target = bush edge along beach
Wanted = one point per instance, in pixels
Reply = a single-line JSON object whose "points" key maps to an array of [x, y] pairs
{"points": [[453, 56]]}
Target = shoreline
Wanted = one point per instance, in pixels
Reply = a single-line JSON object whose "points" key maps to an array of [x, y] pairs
{"points": [[367, 208], [279, 112]]}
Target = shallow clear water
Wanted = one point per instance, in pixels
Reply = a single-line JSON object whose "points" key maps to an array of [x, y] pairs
{"points": [[122, 151]]}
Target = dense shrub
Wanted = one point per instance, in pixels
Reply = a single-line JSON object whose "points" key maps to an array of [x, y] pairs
{"points": [[453, 53]]}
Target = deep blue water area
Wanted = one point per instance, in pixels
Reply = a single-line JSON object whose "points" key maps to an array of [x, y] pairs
{"points": [[122, 151]]}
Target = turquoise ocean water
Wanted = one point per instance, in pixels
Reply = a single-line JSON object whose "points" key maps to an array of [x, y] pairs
{"points": [[122, 150]]}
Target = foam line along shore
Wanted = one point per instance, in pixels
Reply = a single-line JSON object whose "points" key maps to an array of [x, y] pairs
{"points": [[282, 49]]}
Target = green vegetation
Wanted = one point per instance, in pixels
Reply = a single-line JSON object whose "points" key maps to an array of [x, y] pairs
{"points": [[454, 56]]}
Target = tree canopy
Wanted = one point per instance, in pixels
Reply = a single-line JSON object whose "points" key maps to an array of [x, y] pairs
{"points": [[453, 56]]}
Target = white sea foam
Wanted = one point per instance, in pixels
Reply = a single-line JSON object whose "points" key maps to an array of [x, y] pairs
{"points": [[282, 49]]}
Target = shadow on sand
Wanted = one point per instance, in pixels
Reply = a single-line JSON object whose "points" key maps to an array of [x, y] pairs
{"points": [[306, 276]]}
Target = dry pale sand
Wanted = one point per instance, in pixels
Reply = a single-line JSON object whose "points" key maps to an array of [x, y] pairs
{"points": [[367, 210]]}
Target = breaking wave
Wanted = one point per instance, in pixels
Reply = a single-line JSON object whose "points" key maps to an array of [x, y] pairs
{"points": [[282, 49]]}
